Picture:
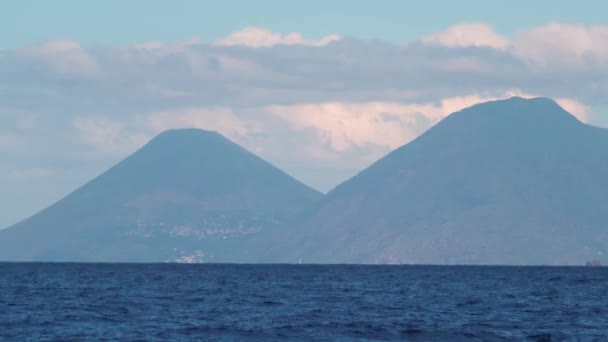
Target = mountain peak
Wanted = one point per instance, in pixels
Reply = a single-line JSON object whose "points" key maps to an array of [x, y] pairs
{"points": [[187, 132], [188, 145], [513, 119], [518, 101], [518, 109], [513, 181], [188, 136], [187, 192]]}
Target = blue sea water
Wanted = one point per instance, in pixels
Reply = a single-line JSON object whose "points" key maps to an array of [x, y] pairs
{"points": [[173, 302]]}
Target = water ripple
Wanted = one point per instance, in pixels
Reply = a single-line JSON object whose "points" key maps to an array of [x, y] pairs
{"points": [[48, 302]]}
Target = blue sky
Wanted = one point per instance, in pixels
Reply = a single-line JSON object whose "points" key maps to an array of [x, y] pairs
{"points": [[319, 88], [127, 22]]}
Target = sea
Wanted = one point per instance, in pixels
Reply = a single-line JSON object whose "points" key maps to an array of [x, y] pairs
{"points": [[224, 302]]}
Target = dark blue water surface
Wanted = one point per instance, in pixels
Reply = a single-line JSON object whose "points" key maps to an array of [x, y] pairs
{"points": [[172, 302]]}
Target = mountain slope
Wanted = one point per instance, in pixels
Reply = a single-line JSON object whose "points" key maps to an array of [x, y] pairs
{"points": [[516, 181], [188, 195]]}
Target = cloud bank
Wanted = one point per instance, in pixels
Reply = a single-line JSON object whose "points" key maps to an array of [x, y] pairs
{"points": [[320, 108], [262, 37]]}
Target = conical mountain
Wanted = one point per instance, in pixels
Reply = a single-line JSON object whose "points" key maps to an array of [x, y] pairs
{"points": [[516, 181], [187, 195]]}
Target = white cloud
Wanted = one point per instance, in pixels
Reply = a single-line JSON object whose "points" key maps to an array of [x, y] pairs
{"points": [[64, 58], [354, 125], [567, 44], [553, 44], [468, 34], [195, 74], [320, 111], [112, 137], [347, 125], [108, 137], [262, 37], [302, 103], [344, 126], [580, 110]]}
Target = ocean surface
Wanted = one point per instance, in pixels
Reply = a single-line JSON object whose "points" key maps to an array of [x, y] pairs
{"points": [[175, 302]]}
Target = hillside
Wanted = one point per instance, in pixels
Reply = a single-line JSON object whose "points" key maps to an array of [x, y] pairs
{"points": [[188, 195], [516, 181]]}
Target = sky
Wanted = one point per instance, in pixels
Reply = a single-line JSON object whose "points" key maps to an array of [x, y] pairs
{"points": [[129, 22], [319, 88]]}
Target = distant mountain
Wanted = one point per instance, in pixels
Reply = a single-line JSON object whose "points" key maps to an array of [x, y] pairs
{"points": [[516, 181], [188, 195]]}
